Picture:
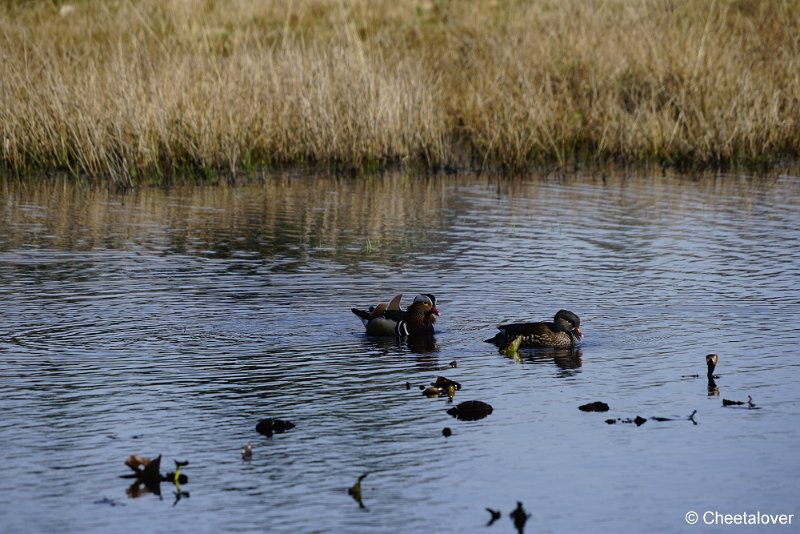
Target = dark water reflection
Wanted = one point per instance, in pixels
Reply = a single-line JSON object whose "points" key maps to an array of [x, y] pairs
{"points": [[170, 321]]}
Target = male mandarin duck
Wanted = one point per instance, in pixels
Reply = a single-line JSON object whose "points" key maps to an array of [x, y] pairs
{"points": [[391, 320], [564, 331]]}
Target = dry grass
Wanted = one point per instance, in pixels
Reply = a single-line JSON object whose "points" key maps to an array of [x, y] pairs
{"points": [[156, 88]]}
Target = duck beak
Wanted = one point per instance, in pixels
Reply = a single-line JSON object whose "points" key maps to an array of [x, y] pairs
{"points": [[435, 311], [577, 332]]}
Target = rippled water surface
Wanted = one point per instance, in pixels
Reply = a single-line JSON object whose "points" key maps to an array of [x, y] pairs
{"points": [[170, 321]]}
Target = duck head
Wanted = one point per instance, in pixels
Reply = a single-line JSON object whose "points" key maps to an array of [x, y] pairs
{"points": [[421, 315], [566, 321], [427, 303]]}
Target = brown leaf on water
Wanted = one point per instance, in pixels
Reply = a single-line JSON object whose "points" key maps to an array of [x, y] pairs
{"points": [[145, 469], [135, 461]]}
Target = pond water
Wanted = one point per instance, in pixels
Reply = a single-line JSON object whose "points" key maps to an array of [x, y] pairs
{"points": [[170, 321]]}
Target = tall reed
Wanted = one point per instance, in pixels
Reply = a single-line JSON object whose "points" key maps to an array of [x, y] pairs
{"points": [[154, 88]]}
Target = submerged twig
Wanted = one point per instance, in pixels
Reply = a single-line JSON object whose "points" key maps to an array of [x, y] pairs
{"points": [[355, 491], [496, 514], [750, 404]]}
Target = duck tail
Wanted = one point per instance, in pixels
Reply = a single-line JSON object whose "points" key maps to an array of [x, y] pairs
{"points": [[361, 314], [498, 339]]}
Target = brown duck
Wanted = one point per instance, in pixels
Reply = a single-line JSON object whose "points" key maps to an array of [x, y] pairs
{"points": [[417, 319], [564, 331]]}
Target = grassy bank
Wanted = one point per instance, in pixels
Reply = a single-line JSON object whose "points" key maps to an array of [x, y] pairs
{"points": [[155, 88]]}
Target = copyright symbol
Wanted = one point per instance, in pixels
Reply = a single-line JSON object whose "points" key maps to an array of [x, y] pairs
{"points": [[691, 517]]}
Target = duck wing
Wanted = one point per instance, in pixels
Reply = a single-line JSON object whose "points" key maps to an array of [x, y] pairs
{"points": [[527, 329], [508, 332], [395, 315], [372, 313], [361, 314], [394, 304]]}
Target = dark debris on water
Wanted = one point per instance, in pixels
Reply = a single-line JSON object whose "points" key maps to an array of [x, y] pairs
{"points": [[711, 364], [355, 491], [749, 403], [148, 477], [109, 502], [270, 426], [470, 410], [596, 406], [495, 515], [520, 517], [441, 387], [639, 420]]}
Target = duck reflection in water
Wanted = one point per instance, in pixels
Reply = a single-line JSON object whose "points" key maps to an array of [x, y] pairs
{"points": [[416, 344], [425, 348], [148, 478], [422, 344], [142, 487], [567, 359]]}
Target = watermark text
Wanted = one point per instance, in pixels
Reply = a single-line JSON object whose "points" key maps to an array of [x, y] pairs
{"points": [[714, 517]]}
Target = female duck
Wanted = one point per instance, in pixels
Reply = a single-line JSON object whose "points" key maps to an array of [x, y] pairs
{"points": [[564, 331]]}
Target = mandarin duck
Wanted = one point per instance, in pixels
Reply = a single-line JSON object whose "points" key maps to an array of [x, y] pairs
{"points": [[391, 320], [564, 331]]}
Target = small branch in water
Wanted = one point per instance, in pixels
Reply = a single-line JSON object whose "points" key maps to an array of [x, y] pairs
{"points": [[638, 421], [689, 418], [495, 516], [750, 404], [711, 363]]}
